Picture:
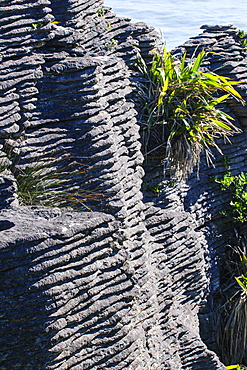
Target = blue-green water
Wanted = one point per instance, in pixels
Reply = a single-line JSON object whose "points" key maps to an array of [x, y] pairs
{"points": [[178, 20]]}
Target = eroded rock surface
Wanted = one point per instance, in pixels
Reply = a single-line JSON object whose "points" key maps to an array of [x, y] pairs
{"points": [[120, 288]]}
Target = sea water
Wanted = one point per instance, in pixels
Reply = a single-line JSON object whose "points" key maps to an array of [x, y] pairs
{"points": [[178, 20]]}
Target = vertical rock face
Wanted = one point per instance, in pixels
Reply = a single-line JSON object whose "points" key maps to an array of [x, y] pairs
{"points": [[120, 288], [202, 197]]}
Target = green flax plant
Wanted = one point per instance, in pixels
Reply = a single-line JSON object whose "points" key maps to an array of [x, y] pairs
{"points": [[180, 111]]}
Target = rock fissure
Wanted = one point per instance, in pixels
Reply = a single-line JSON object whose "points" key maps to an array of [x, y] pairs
{"points": [[119, 286]]}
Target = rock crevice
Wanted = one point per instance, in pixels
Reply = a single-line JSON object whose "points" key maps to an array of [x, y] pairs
{"points": [[119, 286]]}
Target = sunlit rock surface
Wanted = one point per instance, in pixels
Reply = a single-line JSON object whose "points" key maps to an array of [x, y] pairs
{"points": [[119, 283]]}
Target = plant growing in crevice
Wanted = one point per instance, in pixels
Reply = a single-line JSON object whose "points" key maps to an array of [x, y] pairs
{"points": [[242, 37], [101, 12], [236, 186], [37, 26], [180, 111], [49, 182], [153, 187], [232, 326], [108, 27], [112, 44], [232, 329]]}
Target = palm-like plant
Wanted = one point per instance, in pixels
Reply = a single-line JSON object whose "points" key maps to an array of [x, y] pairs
{"points": [[183, 100]]}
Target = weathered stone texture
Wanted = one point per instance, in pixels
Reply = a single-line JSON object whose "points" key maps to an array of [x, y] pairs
{"points": [[120, 288], [196, 204], [8, 189]]}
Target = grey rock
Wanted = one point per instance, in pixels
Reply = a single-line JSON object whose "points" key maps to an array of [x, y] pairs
{"points": [[120, 282]]}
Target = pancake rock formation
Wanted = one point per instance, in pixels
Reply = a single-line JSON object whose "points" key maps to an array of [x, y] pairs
{"points": [[128, 279]]}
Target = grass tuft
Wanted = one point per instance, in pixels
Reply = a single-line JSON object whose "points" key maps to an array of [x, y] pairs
{"points": [[50, 182]]}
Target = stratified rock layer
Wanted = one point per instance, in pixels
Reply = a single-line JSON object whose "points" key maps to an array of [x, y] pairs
{"points": [[199, 200], [120, 288]]}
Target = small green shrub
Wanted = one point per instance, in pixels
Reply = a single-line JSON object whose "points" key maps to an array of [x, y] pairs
{"points": [[242, 36], [154, 187], [37, 26], [101, 12], [231, 332], [236, 186], [108, 27], [112, 44], [179, 110], [232, 335]]}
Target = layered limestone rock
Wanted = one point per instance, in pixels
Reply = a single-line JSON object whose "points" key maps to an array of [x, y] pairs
{"points": [[119, 286]]}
